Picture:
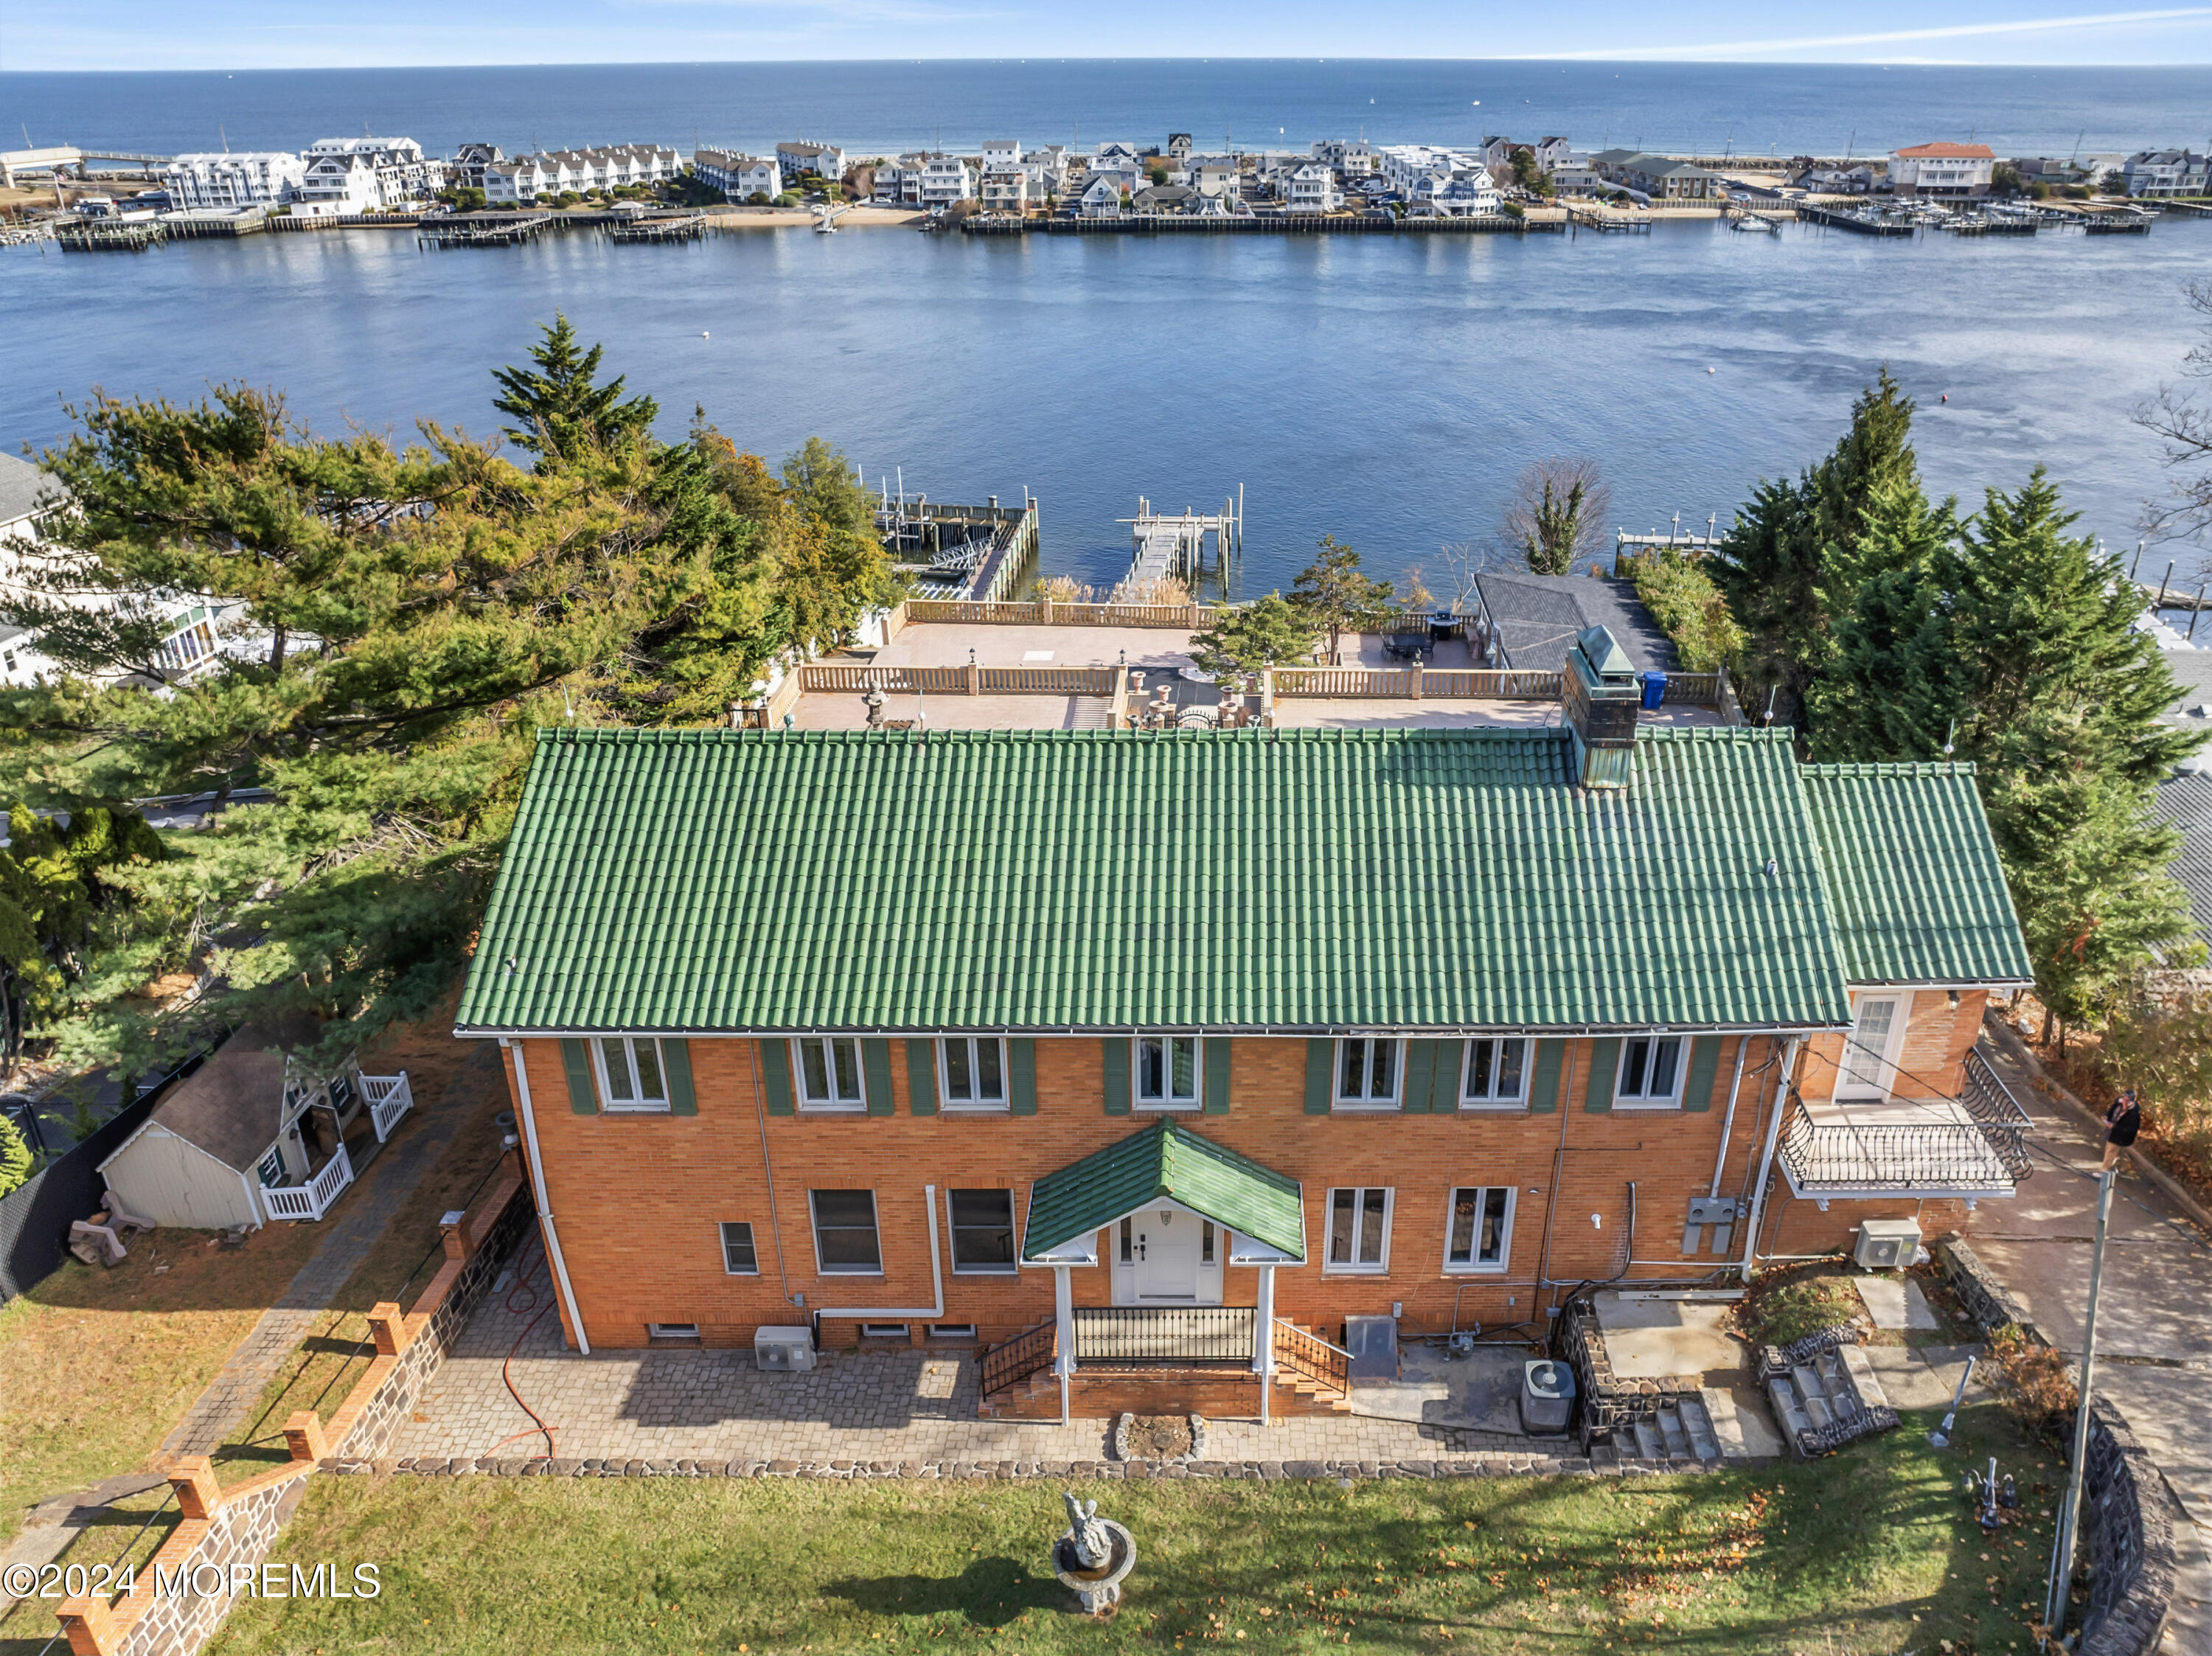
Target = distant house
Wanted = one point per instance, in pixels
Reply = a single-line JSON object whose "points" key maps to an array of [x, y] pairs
{"points": [[1354, 158], [1312, 189], [1553, 154], [1116, 155], [364, 175], [1212, 175], [1940, 170], [1496, 153], [255, 1134], [2165, 172], [1164, 198], [222, 180], [1527, 620], [1046, 170], [946, 180], [1664, 179], [1837, 180], [1004, 190], [1000, 154], [1179, 144], [553, 172], [800, 159], [1101, 198], [465, 170], [736, 176], [2049, 169], [1577, 178]]}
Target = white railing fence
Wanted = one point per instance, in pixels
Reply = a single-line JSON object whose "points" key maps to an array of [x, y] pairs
{"points": [[389, 1098], [312, 1199]]}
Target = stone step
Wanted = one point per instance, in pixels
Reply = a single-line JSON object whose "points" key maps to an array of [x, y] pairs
{"points": [[1864, 1382], [1698, 1425], [1670, 1431], [1812, 1396], [1788, 1409], [1650, 1442]]}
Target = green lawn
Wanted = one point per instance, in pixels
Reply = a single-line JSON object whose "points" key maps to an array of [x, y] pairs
{"points": [[1873, 1551]]}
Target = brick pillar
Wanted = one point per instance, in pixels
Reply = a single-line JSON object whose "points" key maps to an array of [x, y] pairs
{"points": [[975, 679], [89, 1625], [303, 1436], [389, 1325], [198, 1496], [1414, 681]]}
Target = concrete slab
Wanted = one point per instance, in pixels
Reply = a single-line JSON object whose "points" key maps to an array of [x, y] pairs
{"points": [[1645, 1339], [1740, 1421], [1896, 1303], [1482, 1392], [1909, 1380], [1919, 1315]]}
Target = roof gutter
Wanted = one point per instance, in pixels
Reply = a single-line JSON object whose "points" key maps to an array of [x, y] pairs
{"points": [[1437, 1031]]}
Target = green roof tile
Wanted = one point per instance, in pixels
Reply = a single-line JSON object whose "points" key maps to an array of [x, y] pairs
{"points": [[1165, 1160], [715, 880], [1912, 872]]}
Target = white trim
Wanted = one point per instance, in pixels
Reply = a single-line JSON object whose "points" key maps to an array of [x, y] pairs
{"points": [[1169, 1106], [952, 1231], [1339, 1102], [1328, 1267], [1892, 1046], [1518, 1103], [876, 1219], [1670, 1099], [834, 1105], [1473, 1266], [945, 1101], [545, 1206], [721, 1230], [641, 1105]]}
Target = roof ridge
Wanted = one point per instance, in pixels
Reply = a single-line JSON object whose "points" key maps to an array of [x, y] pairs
{"points": [[1889, 767]]}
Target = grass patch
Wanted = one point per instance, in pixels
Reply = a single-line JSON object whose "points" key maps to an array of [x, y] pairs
{"points": [[1786, 1304], [1873, 1549], [98, 1363]]}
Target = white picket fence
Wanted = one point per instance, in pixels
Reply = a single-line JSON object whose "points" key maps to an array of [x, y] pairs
{"points": [[312, 1199], [389, 1098]]}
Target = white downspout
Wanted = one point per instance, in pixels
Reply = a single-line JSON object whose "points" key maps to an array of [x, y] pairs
{"points": [[544, 1210], [1263, 1340], [1766, 1159], [936, 1281], [1728, 1121], [1063, 1316]]}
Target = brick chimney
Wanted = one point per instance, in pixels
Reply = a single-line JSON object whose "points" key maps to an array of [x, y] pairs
{"points": [[1601, 692]]}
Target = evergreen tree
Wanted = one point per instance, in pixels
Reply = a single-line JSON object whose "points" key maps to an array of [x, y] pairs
{"points": [[1265, 632], [562, 408], [1888, 690], [1335, 597]]}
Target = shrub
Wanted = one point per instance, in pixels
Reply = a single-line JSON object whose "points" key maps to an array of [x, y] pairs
{"points": [[2036, 1382], [1689, 609], [15, 1157], [1783, 1308]]}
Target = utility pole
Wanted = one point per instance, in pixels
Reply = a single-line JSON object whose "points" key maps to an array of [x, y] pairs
{"points": [[2064, 1542]]}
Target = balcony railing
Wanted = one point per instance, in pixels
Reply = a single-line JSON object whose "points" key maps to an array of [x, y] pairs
{"points": [[390, 1097], [1312, 1356], [312, 1199], [1973, 1156], [1178, 1333], [1988, 1099]]}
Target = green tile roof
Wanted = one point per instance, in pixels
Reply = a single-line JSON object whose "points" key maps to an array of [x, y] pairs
{"points": [[1311, 880], [1165, 1160], [1912, 872]]}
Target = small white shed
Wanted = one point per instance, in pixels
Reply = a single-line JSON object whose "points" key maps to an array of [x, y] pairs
{"points": [[253, 1135]]}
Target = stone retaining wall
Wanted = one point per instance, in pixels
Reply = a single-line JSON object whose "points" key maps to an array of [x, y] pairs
{"points": [[2129, 1516]]}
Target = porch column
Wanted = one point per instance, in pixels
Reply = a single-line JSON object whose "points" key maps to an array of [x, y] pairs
{"points": [[1063, 1363], [1263, 1340]]}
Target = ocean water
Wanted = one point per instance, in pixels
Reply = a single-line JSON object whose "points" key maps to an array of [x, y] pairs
{"points": [[884, 107], [1384, 390]]}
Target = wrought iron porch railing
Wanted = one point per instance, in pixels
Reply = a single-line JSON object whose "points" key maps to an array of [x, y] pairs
{"points": [[1988, 1099], [1015, 1360], [1177, 1333], [1918, 1156], [1312, 1356]]}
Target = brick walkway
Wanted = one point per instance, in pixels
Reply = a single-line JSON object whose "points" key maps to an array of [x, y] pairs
{"points": [[672, 1404]]}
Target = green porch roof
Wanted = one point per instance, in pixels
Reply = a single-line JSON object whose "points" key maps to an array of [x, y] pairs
{"points": [[1912, 872], [1064, 881], [1165, 1160]]}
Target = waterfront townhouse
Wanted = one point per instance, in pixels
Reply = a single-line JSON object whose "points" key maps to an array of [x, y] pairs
{"points": [[1001, 153], [946, 180], [1660, 177], [1102, 195], [1942, 169], [1554, 153], [464, 169], [224, 180], [1139, 1059], [1213, 175], [364, 175], [2164, 172], [800, 159], [737, 177], [1046, 170], [1401, 164], [1312, 189], [547, 174], [1004, 190], [1354, 159]]}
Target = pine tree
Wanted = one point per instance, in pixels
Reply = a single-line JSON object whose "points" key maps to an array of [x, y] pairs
{"points": [[1888, 690], [562, 410], [1335, 597], [1265, 632]]}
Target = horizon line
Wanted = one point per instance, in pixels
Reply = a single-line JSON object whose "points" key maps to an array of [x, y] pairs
{"points": [[1651, 59]]}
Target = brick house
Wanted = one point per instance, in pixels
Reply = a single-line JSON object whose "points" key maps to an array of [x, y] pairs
{"points": [[1142, 1060]]}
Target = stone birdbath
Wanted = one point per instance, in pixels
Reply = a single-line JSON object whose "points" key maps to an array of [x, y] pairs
{"points": [[1093, 1557]]}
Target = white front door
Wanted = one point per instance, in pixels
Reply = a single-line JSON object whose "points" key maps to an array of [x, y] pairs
{"points": [[1165, 1254]]}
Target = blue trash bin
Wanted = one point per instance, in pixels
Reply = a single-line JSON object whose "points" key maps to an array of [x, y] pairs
{"points": [[1654, 690]]}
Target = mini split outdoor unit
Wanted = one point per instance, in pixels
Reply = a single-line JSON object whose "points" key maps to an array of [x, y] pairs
{"points": [[788, 1350], [1886, 1244]]}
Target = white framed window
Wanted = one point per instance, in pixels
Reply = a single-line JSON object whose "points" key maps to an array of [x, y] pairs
{"points": [[829, 1068], [1479, 1227], [982, 1232], [671, 1330], [1359, 1229], [1167, 1071], [973, 1072], [739, 1257], [1367, 1072], [1869, 1061], [1494, 1074], [1650, 1071], [886, 1331], [631, 1077], [845, 1240]]}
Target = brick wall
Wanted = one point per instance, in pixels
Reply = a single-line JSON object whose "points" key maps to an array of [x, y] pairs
{"points": [[638, 1197]]}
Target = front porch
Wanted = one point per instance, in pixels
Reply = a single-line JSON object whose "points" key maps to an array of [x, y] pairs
{"points": [[1215, 1360], [339, 1128]]}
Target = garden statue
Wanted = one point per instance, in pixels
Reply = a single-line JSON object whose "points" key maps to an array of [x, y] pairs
{"points": [[1087, 1536], [1093, 1555]]}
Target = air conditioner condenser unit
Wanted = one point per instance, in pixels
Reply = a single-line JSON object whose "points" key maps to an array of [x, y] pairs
{"points": [[1886, 1244], [785, 1350]]}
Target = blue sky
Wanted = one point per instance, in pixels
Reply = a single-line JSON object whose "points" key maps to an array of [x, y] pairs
{"points": [[122, 35]]}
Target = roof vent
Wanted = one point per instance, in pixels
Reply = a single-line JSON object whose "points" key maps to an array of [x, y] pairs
{"points": [[1599, 689]]}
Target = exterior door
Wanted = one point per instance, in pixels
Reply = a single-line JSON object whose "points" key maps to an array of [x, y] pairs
{"points": [[1870, 1051], [1167, 1256]]}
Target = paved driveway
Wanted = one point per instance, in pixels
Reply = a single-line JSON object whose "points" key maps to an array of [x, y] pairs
{"points": [[2154, 1314]]}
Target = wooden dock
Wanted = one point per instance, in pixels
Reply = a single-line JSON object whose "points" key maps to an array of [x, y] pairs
{"points": [[689, 227], [2123, 221], [110, 236], [1853, 222], [1609, 224], [1164, 545], [1280, 224], [512, 234]]}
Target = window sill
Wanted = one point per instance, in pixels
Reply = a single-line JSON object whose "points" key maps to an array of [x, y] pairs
{"points": [[1498, 1270], [1383, 1270], [850, 1271], [1647, 1105], [832, 1109], [1496, 1107], [1157, 1106], [986, 1270], [1355, 1106], [975, 1109], [636, 1109]]}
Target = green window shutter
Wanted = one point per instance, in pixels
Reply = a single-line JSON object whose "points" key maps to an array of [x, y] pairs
{"points": [[1216, 1093], [876, 1075], [1114, 1052], [1704, 1058], [1419, 1077], [1605, 1065], [1544, 1080], [1443, 1094], [1023, 1099], [676, 1060], [921, 1076], [775, 1075], [583, 1092], [1320, 1057]]}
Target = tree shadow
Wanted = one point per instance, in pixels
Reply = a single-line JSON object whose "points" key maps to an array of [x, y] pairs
{"points": [[990, 1592]]}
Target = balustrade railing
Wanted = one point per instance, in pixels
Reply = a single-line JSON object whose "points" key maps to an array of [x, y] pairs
{"points": [[1970, 1156], [312, 1199], [1016, 1359], [1181, 1333], [389, 1097], [1312, 1356]]}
